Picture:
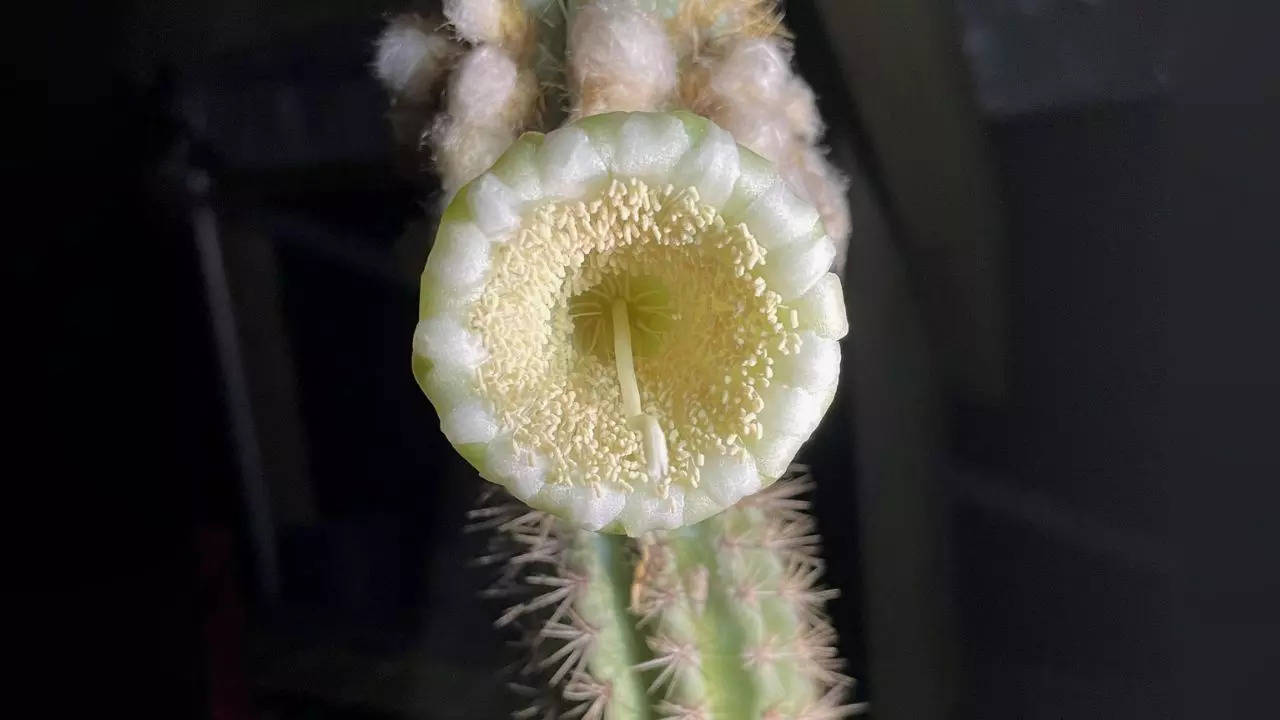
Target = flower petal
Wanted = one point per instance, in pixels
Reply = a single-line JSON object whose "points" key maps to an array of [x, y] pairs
{"points": [[645, 512], [649, 145], [494, 205], [518, 167], [727, 479], [469, 422], [442, 339], [521, 473], [815, 366], [779, 218], [821, 308], [755, 176], [587, 507], [711, 166], [774, 452], [789, 411], [460, 257], [568, 163], [790, 271]]}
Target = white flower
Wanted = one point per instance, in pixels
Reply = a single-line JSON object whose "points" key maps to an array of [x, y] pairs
{"points": [[629, 322]]}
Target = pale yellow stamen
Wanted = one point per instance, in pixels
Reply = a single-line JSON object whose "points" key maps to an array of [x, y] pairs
{"points": [[678, 292]]}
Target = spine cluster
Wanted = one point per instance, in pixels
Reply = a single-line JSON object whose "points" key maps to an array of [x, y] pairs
{"points": [[723, 619]]}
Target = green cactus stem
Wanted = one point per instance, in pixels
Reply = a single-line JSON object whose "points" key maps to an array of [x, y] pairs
{"points": [[723, 619]]}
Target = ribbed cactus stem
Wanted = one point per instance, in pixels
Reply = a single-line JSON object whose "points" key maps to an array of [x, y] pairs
{"points": [[735, 616], [697, 636], [617, 646], [723, 619]]}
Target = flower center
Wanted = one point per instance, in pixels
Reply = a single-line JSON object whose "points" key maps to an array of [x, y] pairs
{"points": [[649, 309], [629, 336]]}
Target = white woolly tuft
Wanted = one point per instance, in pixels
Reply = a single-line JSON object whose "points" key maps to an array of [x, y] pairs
{"points": [[619, 59], [477, 21], [757, 67], [752, 92], [801, 109], [464, 151], [826, 188], [410, 61], [490, 99], [488, 88]]}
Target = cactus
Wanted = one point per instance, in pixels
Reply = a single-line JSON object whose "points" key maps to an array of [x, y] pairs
{"points": [[723, 619], [628, 323]]}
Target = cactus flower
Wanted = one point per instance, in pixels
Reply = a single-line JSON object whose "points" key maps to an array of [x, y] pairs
{"points": [[629, 322]]}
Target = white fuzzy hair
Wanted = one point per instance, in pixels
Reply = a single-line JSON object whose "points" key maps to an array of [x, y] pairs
{"points": [[476, 21], [619, 59], [489, 88], [758, 98], [492, 22], [410, 60], [751, 91], [490, 99]]}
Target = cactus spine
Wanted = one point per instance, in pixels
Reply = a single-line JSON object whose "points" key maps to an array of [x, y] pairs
{"points": [[721, 620]]}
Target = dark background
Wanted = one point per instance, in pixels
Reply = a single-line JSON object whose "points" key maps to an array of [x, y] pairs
{"points": [[1046, 491]]}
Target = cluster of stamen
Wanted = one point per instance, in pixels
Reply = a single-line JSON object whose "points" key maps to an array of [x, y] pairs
{"points": [[707, 331]]}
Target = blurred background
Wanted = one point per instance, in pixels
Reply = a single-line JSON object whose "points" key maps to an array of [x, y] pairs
{"points": [[1046, 489]]}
